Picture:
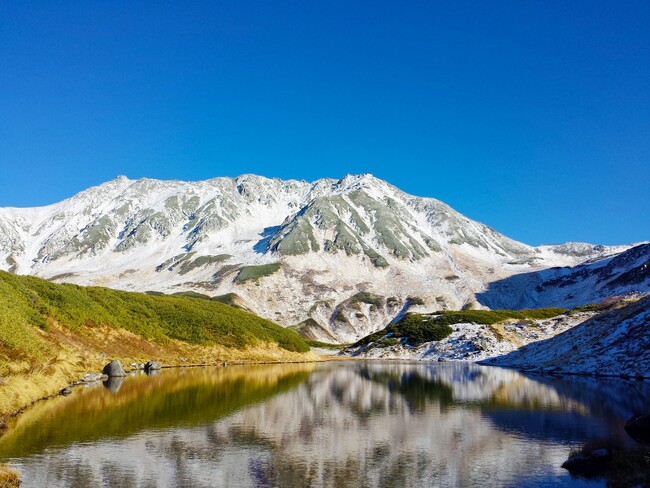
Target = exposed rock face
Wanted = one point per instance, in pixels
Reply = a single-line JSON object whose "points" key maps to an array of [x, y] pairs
{"points": [[114, 369], [299, 253]]}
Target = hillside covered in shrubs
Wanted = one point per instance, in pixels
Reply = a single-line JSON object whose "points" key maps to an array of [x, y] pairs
{"points": [[29, 305], [415, 329]]}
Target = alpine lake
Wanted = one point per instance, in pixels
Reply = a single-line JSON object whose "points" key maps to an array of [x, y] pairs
{"points": [[332, 424]]}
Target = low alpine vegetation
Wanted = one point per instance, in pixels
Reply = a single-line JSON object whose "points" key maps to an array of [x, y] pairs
{"points": [[28, 304], [415, 329], [249, 273]]}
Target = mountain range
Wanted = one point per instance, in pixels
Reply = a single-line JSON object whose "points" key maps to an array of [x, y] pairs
{"points": [[336, 259]]}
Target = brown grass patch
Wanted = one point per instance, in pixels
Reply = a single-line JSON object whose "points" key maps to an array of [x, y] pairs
{"points": [[9, 477], [73, 354]]}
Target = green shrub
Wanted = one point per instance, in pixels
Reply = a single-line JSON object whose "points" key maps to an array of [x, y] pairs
{"points": [[590, 307], [188, 266], [418, 330], [367, 297], [489, 317], [388, 342], [227, 299], [248, 273], [191, 294]]}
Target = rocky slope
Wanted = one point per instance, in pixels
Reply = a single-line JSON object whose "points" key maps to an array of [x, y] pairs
{"points": [[592, 281], [295, 252], [474, 342], [612, 343]]}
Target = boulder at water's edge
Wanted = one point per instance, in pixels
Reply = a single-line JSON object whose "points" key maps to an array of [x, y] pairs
{"points": [[114, 368]]}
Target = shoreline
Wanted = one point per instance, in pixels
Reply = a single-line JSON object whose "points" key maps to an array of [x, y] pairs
{"points": [[71, 354], [312, 357], [6, 417], [549, 371]]}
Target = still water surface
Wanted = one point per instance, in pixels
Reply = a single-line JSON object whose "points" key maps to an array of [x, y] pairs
{"points": [[340, 424]]}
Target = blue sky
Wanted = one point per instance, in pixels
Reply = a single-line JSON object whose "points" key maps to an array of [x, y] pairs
{"points": [[530, 116]]}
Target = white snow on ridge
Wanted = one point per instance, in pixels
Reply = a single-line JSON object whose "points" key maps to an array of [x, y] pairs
{"points": [[332, 238]]}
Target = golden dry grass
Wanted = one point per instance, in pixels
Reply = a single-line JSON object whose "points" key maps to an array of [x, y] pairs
{"points": [[75, 353], [51, 335], [9, 477]]}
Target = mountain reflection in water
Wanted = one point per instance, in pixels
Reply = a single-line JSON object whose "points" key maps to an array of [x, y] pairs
{"points": [[337, 424]]}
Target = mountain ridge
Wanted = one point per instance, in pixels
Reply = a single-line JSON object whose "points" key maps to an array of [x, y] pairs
{"points": [[326, 241]]}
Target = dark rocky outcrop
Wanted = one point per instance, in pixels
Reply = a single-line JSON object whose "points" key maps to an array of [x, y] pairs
{"points": [[151, 366], [114, 368], [588, 464]]}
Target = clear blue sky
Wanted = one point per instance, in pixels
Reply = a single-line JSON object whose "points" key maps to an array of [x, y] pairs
{"points": [[530, 116]]}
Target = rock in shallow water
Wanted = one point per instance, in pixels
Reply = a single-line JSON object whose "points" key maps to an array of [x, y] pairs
{"points": [[114, 368], [152, 366], [114, 383]]}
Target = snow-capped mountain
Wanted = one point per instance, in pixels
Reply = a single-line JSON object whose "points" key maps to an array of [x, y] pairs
{"points": [[339, 258]]}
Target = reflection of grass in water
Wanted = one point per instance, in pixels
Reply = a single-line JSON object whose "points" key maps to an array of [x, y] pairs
{"points": [[417, 391], [185, 397]]}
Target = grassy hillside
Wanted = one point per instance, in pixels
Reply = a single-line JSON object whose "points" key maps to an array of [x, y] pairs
{"points": [[27, 301], [418, 329], [59, 331]]}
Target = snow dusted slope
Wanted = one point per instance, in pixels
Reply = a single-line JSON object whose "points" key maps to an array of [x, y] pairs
{"points": [[291, 251], [612, 343], [592, 281], [475, 342]]}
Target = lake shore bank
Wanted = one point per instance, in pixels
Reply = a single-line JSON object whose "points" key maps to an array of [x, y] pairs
{"points": [[74, 355]]}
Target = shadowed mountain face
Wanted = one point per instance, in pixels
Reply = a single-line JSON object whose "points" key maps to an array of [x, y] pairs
{"points": [[613, 343], [291, 251], [627, 272], [328, 425]]}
